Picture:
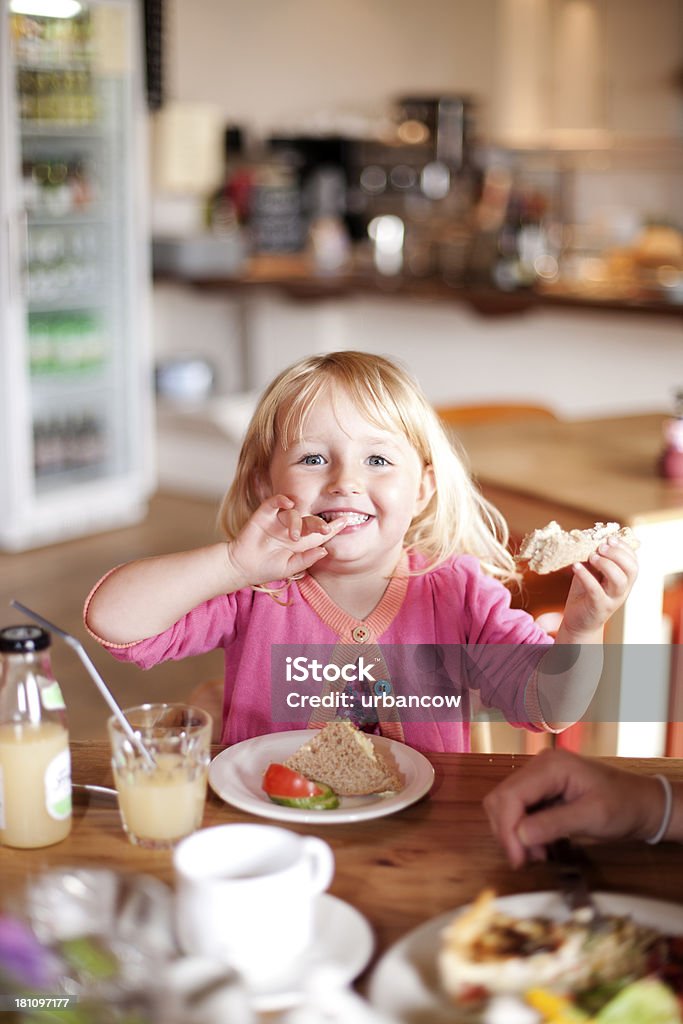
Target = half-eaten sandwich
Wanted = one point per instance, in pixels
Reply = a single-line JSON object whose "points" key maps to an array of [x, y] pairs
{"points": [[342, 757]]}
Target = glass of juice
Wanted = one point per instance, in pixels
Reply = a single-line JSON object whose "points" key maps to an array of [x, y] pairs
{"points": [[163, 802]]}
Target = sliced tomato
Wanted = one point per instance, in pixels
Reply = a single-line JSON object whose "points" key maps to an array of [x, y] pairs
{"points": [[279, 780]]}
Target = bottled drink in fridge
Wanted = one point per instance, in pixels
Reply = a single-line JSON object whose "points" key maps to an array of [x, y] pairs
{"points": [[35, 765]]}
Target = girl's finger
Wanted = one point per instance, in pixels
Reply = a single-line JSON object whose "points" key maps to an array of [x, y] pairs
{"points": [[295, 524], [588, 581], [620, 554], [276, 503], [308, 542], [614, 579], [305, 559], [624, 557], [315, 525], [291, 520]]}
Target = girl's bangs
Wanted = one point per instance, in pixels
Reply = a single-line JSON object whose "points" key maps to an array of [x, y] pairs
{"points": [[294, 407], [382, 407]]}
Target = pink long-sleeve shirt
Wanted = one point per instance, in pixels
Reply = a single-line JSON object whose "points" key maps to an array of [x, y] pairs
{"points": [[452, 604]]}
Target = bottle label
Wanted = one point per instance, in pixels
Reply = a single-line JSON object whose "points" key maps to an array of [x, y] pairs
{"points": [[2, 801], [52, 698], [58, 786]]}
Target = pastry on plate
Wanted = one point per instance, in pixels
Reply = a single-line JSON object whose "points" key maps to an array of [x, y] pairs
{"points": [[486, 952]]}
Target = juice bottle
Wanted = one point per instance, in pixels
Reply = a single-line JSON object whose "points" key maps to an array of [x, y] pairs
{"points": [[35, 765]]}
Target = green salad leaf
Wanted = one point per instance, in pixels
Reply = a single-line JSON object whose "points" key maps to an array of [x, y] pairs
{"points": [[647, 1001]]}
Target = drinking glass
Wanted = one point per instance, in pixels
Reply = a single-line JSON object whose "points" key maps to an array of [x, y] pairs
{"points": [[161, 803]]}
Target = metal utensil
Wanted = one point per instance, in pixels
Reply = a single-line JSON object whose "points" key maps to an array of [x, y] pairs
{"points": [[97, 790], [78, 647], [569, 864]]}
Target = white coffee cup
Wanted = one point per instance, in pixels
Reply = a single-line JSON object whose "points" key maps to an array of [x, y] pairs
{"points": [[245, 894]]}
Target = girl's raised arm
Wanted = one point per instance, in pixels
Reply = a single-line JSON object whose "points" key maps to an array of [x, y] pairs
{"points": [[143, 598]]}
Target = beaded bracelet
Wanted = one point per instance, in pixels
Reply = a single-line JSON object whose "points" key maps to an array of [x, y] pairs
{"points": [[668, 809]]}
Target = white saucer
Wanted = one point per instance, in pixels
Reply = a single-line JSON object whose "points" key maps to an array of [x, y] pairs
{"points": [[342, 939]]}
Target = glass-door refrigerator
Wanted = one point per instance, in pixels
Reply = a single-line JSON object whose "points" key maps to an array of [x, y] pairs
{"points": [[76, 452]]}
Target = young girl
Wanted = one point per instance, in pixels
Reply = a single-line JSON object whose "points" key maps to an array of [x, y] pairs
{"points": [[351, 522]]}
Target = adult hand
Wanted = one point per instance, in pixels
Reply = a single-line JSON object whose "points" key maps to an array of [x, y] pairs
{"points": [[589, 798]]}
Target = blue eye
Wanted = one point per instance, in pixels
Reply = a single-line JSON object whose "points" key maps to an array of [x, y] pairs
{"points": [[378, 460], [312, 460]]}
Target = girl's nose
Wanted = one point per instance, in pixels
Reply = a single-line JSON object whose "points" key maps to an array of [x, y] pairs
{"points": [[344, 480]]}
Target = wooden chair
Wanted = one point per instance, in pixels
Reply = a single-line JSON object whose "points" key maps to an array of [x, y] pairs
{"points": [[543, 598], [209, 696], [673, 608], [463, 415]]}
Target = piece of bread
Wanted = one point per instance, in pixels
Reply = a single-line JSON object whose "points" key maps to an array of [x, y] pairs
{"points": [[551, 547], [342, 757]]}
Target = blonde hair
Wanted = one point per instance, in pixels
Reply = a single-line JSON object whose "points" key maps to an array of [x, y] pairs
{"points": [[457, 520]]}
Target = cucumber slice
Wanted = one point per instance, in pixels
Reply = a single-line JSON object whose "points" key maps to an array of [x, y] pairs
{"points": [[325, 801]]}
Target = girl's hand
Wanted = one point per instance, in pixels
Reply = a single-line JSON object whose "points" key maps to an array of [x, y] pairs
{"points": [[598, 588], [278, 542], [588, 798]]}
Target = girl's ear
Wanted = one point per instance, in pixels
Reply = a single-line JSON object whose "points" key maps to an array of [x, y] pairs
{"points": [[262, 486], [426, 489]]}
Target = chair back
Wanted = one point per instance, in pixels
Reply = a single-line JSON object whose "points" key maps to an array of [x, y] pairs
{"points": [[462, 415], [484, 734]]}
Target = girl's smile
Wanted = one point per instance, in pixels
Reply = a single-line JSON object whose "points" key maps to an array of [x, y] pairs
{"points": [[352, 518]]}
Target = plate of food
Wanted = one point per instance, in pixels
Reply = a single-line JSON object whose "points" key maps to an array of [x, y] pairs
{"points": [[523, 959], [329, 776]]}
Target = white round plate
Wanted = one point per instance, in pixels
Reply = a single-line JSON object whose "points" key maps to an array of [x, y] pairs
{"points": [[236, 774], [405, 983], [342, 939]]}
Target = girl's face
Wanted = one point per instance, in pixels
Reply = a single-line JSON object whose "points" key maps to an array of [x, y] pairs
{"points": [[345, 465]]}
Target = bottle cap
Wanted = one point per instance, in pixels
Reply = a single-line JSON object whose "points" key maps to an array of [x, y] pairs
{"points": [[23, 639]]}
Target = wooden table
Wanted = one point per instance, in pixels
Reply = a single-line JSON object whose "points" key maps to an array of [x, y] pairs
{"points": [[600, 470], [399, 871]]}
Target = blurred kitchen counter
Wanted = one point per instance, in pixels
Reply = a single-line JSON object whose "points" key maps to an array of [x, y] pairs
{"points": [[475, 345], [295, 275]]}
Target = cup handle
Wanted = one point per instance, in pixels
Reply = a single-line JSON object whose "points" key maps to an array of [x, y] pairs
{"points": [[321, 859]]}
